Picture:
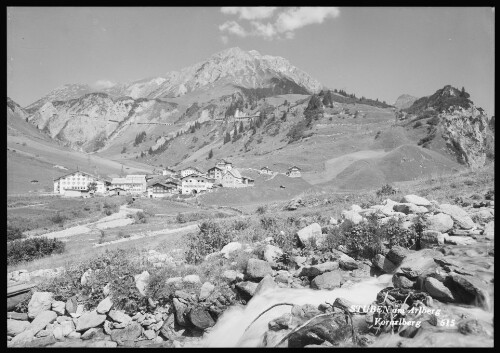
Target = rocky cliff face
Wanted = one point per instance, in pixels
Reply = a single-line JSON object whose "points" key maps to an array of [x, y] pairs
{"points": [[15, 110], [467, 132], [404, 101]]}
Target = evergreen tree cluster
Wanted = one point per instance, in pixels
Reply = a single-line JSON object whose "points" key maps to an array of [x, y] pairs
{"points": [[139, 138]]}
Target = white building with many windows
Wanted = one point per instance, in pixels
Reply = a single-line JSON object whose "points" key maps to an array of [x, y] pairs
{"points": [[132, 184], [70, 184], [195, 183]]}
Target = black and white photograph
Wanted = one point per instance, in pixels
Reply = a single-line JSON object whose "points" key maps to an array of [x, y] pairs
{"points": [[293, 177]]}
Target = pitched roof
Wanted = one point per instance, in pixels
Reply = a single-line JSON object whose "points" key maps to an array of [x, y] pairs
{"points": [[234, 172], [294, 167], [162, 184], [79, 171], [194, 168], [126, 181], [194, 175], [214, 167]]}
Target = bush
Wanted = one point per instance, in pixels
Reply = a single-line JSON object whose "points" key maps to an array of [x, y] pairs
{"points": [[13, 233], [32, 249], [58, 219], [140, 217], [261, 210], [386, 190], [212, 236]]}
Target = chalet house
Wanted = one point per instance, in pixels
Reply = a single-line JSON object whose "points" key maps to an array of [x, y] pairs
{"points": [[78, 181], [159, 189], [293, 172], [233, 179], [224, 165], [195, 183], [266, 170], [190, 170], [117, 191], [133, 184], [215, 173], [248, 181]]}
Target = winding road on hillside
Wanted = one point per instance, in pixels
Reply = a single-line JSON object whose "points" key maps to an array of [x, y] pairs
{"points": [[336, 165]]}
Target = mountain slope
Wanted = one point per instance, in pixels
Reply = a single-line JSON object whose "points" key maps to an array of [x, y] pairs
{"points": [[404, 101]]}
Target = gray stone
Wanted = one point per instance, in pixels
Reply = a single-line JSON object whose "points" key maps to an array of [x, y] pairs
{"points": [[489, 231], [43, 319], [257, 269], [149, 334], [23, 338], [71, 305], [193, 279], [437, 290], [401, 281], [17, 316], [307, 233], [67, 327], [328, 280], [180, 311], [316, 270], [409, 208], [347, 263], [469, 290], [86, 277], [230, 248], [383, 263], [104, 306], [59, 307], [459, 215], [15, 327], [441, 222], [141, 282], [200, 318], [92, 332], [272, 253], [206, 289], [58, 333], [40, 301], [352, 216], [460, 240], [230, 275], [417, 200], [119, 316], [247, 287], [431, 238], [397, 254], [129, 333], [89, 320], [267, 283]]}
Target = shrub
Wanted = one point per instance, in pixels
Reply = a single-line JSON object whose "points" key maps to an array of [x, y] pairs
{"points": [[386, 190], [122, 234], [211, 237], [33, 248], [13, 233], [140, 217], [433, 121], [58, 219], [129, 199], [417, 124], [261, 210]]}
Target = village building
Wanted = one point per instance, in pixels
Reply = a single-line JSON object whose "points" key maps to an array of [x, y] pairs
{"points": [[68, 184], [133, 184], [196, 183], [293, 172], [233, 179], [215, 173], [266, 170], [117, 191], [224, 165], [161, 189], [190, 170]]}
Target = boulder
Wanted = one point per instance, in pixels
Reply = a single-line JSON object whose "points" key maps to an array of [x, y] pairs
{"points": [[230, 275], [267, 283], [104, 306], [307, 233], [180, 312], [352, 216], [470, 327], [79, 311], [440, 222], [42, 320], [401, 281], [206, 289], [59, 307], [347, 263], [247, 287], [460, 240], [328, 280], [86, 277], [92, 333], [15, 327], [356, 208], [71, 305], [258, 269], [17, 316], [383, 263], [174, 280], [200, 318], [106, 290], [22, 339], [129, 333], [459, 215], [437, 290], [417, 200], [410, 208], [430, 238], [192, 279], [281, 323], [272, 253], [119, 316], [141, 282], [316, 270], [231, 247], [40, 301], [67, 327], [89, 320], [468, 290], [149, 334], [489, 231], [397, 254]]}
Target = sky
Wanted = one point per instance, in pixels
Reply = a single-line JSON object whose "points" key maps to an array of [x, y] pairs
{"points": [[372, 52]]}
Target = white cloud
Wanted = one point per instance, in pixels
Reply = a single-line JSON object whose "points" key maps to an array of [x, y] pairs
{"points": [[234, 28], [102, 84], [298, 17], [249, 13], [284, 25], [263, 30]]}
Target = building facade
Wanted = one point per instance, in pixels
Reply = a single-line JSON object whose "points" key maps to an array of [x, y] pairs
{"points": [[293, 172], [190, 170], [215, 173], [265, 170], [133, 184], [195, 183], [78, 181], [161, 189]]}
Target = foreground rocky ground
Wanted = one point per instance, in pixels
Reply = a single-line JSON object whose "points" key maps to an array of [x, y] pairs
{"points": [[445, 276]]}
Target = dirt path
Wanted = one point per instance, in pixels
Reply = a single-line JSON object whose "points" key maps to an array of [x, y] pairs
{"points": [[118, 219], [336, 165]]}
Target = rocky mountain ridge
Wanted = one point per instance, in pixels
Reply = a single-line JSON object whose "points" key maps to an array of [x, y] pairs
{"points": [[404, 101]]}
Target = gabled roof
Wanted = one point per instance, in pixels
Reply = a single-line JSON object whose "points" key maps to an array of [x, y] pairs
{"points": [[214, 167], [294, 167], [234, 172], [126, 181], [193, 168], [162, 184], [194, 175], [79, 171]]}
